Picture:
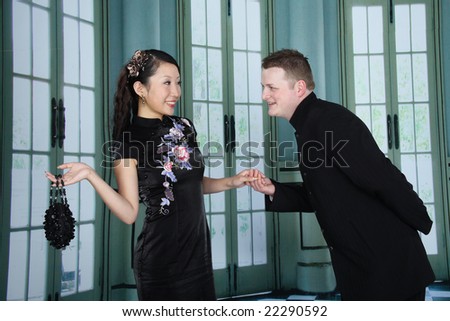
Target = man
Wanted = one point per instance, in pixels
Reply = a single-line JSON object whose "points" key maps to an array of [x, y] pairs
{"points": [[369, 214]]}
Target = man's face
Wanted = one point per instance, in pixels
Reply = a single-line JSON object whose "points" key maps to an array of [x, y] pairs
{"points": [[280, 93]]}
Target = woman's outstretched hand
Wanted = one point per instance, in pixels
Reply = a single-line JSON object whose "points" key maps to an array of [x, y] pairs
{"points": [[76, 173]]}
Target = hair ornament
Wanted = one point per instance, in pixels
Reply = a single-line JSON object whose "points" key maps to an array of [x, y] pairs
{"points": [[137, 63]]}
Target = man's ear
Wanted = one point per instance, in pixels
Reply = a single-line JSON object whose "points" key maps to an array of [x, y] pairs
{"points": [[300, 87]]}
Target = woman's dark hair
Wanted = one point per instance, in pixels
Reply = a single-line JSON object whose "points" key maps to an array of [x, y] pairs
{"points": [[140, 67]]}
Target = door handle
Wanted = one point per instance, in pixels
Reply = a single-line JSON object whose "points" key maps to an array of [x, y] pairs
{"points": [[226, 124], [233, 134], [61, 123], [54, 122], [389, 131], [396, 135]]}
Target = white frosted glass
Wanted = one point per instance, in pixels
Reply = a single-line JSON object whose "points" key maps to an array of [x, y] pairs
{"points": [[71, 51], [38, 273], [239, 11], [379, 127], [217, 199], [402, 28], [198, 22], [408, 164], [243, 200], [259, 238], [21, 29], [87, 195], [241, 119], [87, 10], [430, 240], [216, 130], [362, 95], [87, 259], [257, 131], [406, 128], [200, 119], [377, 80], [40, 189], [423, 131], [254, 77], [420, 77], [214, 21], [404, 78], [425, 178], [215, 74], [258, 200], [41, 116], [87, 55], [41, 43], [375, 17], [73, 191], [254, 25], [72, 112], [69, 267], [87, 121], [199, 79], [418, 28], [21, 114], [44, 3], [206, 197], [244, 233], [17, 269], [240, 77], [70, 7], [20, 193], [363, 112], [218, 241], [359, 28]]}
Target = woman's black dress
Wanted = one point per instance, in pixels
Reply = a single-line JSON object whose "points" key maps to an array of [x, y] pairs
{"points": [[172, 258]]}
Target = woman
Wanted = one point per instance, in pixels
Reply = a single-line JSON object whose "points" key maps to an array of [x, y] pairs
{"points": [[157, 161]]}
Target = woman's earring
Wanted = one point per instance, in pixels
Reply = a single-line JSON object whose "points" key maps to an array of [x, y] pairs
{"points": [[143, 100]]}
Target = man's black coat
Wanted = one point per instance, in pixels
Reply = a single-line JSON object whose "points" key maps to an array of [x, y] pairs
{"points": [[369, 213]]}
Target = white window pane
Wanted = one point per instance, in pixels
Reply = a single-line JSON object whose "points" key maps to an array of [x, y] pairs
{"points": [[41, 43], [215, 74], [375, 15], [404, 78], [258, 200], [87, 121], [254, 25], [240, 77], [200, 81], [243, 198], [87, 195], [238, 8], [20, 193], [363, 112], [402, 28], [244, 233], [218, 241], [254, 76], [71, 52], [86, 266], [200, 119], [214, 23], [86, 49], [87, 10], [379, 127], [69, 267], [377, 80], [422, 121], [359, 22], [72, 112], [41, 116], [257, 130], [408, 164], [259, 238], [198, 20], [217, 199], [425, 178], [216, 130], [38, 273], [70, 7], [362, 95], [430, 240], [418, 27], [420, 72], [40, 189], [241, 128], [17, 270], [44, 3], [406, 130], [21, 114], [21, 29]]}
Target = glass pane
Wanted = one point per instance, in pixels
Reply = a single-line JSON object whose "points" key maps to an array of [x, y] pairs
{"points": [[86, 266], [38, 273], [377, 80], [72, 112], [363, 112], [40, 189], [406, 130], [257, 131], [70, 7], [430, 240], [20, 196], [214, 23], [198, 22], [200, 81], [71, 51], [244, 232], [254, 76], [259, 238], [87, 10], [240, 77], [218, 199], [404, 78], [239, 24], [361, 80], [408, 163], [17, 269], [73, 191], [69, 268], [41, 43], [87, 195], [218, 241], [21, 114], [425, 178], [200, 119], [216, 130], [422, 120], [21, 29], [241, 128], [375, 15], [253, 26], [418, 28], [359, 21], [215, 74], [258, 201], [41, 116], [379, 128], [402, 28], [44, 3], [243, 200], [420, 72], [86, 50], [87, 121]]}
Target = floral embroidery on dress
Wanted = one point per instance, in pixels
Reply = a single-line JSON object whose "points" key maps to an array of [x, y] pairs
{"points": [[176, 153]]}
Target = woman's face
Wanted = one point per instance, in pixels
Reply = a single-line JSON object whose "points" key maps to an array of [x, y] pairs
{"points": [[162, 92]]}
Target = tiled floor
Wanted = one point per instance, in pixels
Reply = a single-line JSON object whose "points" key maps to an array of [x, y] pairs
{"points": [[438, 291]]}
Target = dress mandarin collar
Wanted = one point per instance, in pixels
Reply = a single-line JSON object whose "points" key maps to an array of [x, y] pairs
{"points": [[299, 116], [150, 122]]}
